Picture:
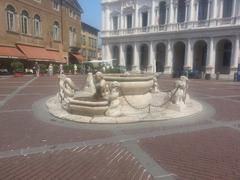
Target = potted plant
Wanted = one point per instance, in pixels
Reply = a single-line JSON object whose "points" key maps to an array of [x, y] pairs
{"points": [[55, 69], [43, 69], [18, 68]]}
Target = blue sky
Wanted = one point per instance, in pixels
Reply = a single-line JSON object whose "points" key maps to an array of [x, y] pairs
{"points": [[92, 12]]}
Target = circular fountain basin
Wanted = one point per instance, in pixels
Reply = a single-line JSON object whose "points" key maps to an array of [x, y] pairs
{"points": [[133, 84], [87, 106]]}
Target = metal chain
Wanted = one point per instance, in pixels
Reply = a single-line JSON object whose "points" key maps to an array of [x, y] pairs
{"points": [[148, 106]]}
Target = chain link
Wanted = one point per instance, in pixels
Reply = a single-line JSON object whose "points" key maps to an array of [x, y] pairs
{"points": [[148, 106]]}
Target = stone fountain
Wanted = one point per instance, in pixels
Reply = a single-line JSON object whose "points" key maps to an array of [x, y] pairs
{"points": [[121, 98]]}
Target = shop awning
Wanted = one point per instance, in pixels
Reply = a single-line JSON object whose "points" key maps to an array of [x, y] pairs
{"points": [[11, 52], [78, 56], [41, 54], [56, 56]]}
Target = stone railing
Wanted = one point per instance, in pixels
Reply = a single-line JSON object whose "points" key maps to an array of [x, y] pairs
{"points": [[175, 27]]}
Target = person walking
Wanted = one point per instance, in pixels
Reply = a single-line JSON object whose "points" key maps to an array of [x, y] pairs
{"points": [[37, 69], [50, 70]]}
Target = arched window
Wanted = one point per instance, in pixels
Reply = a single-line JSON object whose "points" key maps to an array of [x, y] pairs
{"points": [[162, 13], [181, 11], [11, 18], [56, 31], [203, 10], [227, 8], [24, 22], [37, 25]]}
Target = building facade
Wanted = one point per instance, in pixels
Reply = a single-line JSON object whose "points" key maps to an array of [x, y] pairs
{"points": [[89, 42], [171, 36], [39, 30]]}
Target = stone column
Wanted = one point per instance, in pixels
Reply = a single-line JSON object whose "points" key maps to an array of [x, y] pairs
{"points": [[211, 57], [169, 58], [196, 10], [235, 56], [122, 55], [171, 17], [153, 14], [186, 12], [221, 9], [188, 62], [107, 19], [136, 16], [176, 13], [215, 9], [136, 63], [208, 13], [122, 19], [234, 8], [152, 60], [103, 19], [106, 51]]}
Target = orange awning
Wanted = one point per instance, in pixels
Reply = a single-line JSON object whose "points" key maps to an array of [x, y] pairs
{"points": [[56, 56], [42, 54], [11, 52], [34, 53], [78, 56]]}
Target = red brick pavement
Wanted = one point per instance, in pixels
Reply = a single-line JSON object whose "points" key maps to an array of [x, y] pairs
{"points": [[207, 155], [22, 130], [102, 162], [226, 110], [22, 102]]}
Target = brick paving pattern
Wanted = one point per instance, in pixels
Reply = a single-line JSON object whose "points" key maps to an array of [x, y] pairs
{"points": [[106, 162], [205, 155]]}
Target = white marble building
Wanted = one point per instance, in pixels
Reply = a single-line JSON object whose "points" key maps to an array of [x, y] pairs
{"points": [[172, 35]]}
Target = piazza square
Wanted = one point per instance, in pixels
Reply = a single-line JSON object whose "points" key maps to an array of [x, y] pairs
{"points": [[145, 90]]}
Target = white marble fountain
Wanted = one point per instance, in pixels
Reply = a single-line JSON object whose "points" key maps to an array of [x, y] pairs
{"points": [[121, 98]]}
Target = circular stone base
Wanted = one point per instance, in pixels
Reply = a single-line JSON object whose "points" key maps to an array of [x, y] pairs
{"points": [[130, 114]]}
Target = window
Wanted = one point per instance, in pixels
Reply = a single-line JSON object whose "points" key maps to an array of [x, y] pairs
{"points": [[56, 4], [11, 18], [56, 31], [84, 40], [115, 22], [162, 13], [227, 8], [72, 37], [144, 19], [129, 21], [24, 22], [37, 26], [203, 9], [71, 13], [181, 11]]}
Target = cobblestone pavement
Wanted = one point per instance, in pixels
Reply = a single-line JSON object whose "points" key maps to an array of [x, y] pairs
{"points": [[35, 145]]}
